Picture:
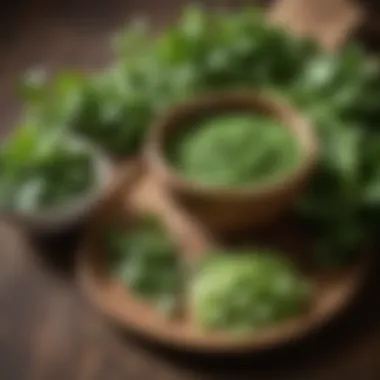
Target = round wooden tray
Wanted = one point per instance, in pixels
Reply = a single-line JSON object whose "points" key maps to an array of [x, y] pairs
{"points": [[332, 291]]}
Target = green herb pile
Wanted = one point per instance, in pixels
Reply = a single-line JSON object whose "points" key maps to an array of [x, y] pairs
{"points": [[236, 150], [338, 91], [38, 173], [145, 260], [244, 290]]}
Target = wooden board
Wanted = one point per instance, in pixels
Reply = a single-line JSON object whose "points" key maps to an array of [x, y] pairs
{"points": [[332, 291], [331, 22]]}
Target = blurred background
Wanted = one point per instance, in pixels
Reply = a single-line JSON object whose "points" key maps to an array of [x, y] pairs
{"points": [[47, 331]]}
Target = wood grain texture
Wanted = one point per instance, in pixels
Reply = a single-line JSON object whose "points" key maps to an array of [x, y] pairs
{"points": [[47, 331], [328, 21]]}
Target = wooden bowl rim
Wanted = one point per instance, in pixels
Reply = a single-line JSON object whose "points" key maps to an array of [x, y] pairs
{"points": [[300, 127]]}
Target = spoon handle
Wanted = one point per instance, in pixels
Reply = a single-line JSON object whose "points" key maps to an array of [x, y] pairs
{"points": [[192, 238]]}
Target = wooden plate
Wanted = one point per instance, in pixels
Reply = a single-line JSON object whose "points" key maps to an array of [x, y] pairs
{"points": [[332, 291]]}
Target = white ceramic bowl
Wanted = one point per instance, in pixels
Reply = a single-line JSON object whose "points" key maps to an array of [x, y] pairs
{"points": [[62, 217]]}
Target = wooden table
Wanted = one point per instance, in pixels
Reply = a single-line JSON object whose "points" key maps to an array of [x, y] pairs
{"points": [[47, 331]]}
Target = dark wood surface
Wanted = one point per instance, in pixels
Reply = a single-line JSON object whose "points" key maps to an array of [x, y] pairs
{"points": [[47, 330]]}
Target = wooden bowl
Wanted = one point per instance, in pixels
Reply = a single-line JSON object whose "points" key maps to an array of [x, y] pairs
{"points": [[332, 291], [230, 209]]}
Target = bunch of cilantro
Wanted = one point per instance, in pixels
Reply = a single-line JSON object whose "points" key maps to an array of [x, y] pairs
{"points": [[203, 52]]}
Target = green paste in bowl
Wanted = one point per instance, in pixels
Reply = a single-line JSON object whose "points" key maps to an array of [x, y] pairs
{"points": [[234, 150]]}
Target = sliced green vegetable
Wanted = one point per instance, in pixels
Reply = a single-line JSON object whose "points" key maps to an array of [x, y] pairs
{"points": [[238, 291], [145, 261]]}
